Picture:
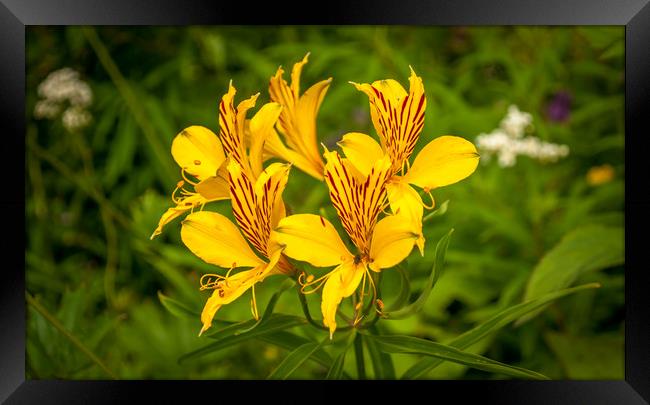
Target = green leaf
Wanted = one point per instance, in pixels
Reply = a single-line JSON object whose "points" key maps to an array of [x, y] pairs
{"points": [[336, 370], [413, 345], [276, 323], [176, 308], [291, 341], [418, 304], [438, 212], [588, 248], [492, 325], [404, 292], [295, 359], [382, 363]]}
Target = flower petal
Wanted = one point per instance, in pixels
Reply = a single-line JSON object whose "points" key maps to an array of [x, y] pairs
{"points": [[362, 150], [398, 117], [311, 238], [172, 213], [392, 241], [260, 129], [213, 238], [274, 147], [445, 160], [198, 151], [341, 283], [404, 200]]}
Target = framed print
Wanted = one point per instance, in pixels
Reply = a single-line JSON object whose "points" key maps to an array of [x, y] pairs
{"points": [[447, 197]]}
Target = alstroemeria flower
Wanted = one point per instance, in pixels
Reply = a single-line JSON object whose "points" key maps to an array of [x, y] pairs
{"points": [[398, 118], [199, 152], [358, 199], [297, 123], [257, 207]]}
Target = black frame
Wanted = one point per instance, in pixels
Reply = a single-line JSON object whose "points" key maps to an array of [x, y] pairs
{"points": [[633, 14]]}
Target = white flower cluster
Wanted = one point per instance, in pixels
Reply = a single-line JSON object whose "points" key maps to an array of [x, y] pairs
{"points": [[62, 90], [508, 141]]}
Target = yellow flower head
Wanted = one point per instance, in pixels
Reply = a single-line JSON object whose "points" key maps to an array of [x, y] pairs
{"points": [[257, 207], [358, 199], [297, 123], [199, 152], [398, 118]]}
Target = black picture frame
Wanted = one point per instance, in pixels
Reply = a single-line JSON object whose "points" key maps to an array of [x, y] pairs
{"points": [[15, 15]]}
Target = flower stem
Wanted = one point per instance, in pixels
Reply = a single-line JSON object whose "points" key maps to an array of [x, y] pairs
{"points": [[358, 355]]}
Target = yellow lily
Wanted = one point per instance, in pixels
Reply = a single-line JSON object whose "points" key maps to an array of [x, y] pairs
{"points": [[358, 199], [257, 207], [398, 118], [199, 152], [297, 123]]}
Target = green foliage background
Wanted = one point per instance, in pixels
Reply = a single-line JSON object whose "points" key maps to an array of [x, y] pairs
{"points": [[93, 197]]}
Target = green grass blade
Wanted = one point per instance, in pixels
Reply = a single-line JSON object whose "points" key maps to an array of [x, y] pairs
{"points": [[276, 323], [413, 345], [418, 304], [72, 338], [176, 308], [493, 324], [295, 359]]}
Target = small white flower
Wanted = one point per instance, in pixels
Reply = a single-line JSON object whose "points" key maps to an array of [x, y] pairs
{"points": [[508, 141], [62, 90]]}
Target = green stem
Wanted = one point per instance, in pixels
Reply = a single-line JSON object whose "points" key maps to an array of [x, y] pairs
{"points": [[358, 354], [73, 339]]}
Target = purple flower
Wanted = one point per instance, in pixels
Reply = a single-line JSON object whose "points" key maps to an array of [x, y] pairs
{"points": [[559, 108]]}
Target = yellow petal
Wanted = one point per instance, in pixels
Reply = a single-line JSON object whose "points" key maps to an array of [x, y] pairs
{"points": [[295, 75], [172, 213], [213, 188], [311, 238], [392, 241], [305, 118], [276, 148], [443, 161], [198, 151], [341, 283], [404, 200], [361, 150], [213, 238], [398, 117], [260, 127]]}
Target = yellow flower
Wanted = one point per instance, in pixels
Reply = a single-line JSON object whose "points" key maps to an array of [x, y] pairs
{"points": [[358, 199], [199, 152], [257, 207], [297, 123], [598, 175], [398, 118]]}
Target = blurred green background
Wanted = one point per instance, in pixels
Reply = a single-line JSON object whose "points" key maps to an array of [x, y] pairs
{"points": [[94, 194]]}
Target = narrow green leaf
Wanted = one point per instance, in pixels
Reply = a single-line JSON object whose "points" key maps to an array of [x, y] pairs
{"points": [[382, 363], [493, 324], [295, 359], [404, 292], [588, 248], [176, 308], [275, 323], [291, 341], [413, 345], [418, 304], [336, 370]]}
